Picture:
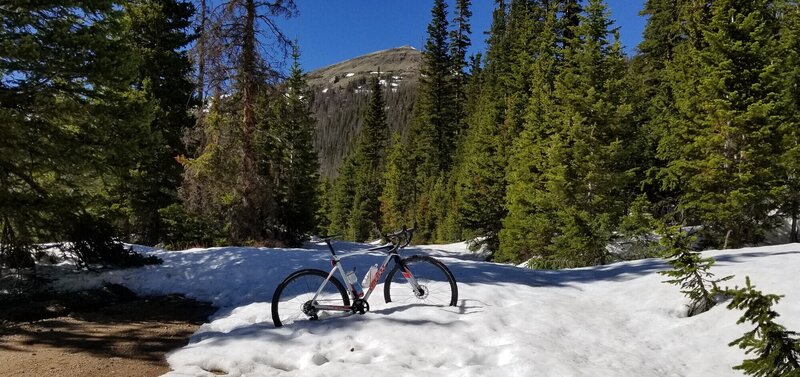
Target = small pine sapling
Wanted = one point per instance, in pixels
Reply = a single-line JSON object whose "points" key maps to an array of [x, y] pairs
{"points": [[777, 350], [689, 270]]}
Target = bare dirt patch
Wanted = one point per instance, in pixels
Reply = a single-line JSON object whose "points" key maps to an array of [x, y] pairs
{"points": [[108, 332]]}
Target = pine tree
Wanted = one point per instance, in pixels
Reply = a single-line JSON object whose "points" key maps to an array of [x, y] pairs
{"points": [[432, 130], [480, 184], [207, 191], [689, 271], [157, 30], [435, 123], [246, 208], [341, 198], [67, 112], [523, 28], [459, 43], [587, 172], [365, 215], [526, 227], [652, 98], [777, 350], [396, 199], [789, 108], [721, 144], [288, 144]]}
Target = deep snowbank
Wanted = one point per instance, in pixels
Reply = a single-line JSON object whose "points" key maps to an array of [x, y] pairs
{"points": [[615, 320]]}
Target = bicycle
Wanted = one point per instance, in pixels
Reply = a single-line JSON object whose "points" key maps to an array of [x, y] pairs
{"points": [[315, 294]]}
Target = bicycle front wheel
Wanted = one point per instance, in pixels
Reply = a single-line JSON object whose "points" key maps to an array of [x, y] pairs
{"points": [[437, 286], [292, 300]]}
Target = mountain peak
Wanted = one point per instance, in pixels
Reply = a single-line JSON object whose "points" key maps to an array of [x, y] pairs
{"points": [[403, 61]]}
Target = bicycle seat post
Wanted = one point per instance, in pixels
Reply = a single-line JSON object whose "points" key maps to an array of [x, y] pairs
{"points": [[328, 242]]}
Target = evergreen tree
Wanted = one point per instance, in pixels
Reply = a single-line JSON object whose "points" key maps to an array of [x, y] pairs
{"points": [[777, 350], [365, 215], [653, 100], [288, 144], [525, 21], [587, 172], [324, 208], [340, 198], [788, 196], [245, 208], [67, 112], [157, 30], [459, 43], [722, 140], [690, 271], [480, 184], [434, 126], [526, 227], [208, 188], [432, 129], [396, 199]]}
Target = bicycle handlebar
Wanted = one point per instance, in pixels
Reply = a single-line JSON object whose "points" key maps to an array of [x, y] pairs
{"points": [[400, 238]]}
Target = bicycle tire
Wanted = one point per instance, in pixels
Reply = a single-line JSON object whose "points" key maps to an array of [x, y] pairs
{"points": [[440, 288], [298, 288]]}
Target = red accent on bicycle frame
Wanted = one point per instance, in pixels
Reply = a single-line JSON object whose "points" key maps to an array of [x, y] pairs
{"points": [[406, 273], [377, 276]]}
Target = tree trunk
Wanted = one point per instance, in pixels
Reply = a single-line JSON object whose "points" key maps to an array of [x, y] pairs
{"points": [[247, 218], [201, 58]]}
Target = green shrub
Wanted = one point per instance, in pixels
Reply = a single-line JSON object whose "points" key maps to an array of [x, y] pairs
{"points": [[689, 270], [183, 229], [777, 350], [91, 241]]}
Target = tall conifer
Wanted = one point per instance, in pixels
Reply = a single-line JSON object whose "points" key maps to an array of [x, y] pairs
{"points": [[67, 112], [289, 145], [365, 215], [584, 182], [526, 228], [158, 33], [480, 184], [396, 199], [724, 132]]}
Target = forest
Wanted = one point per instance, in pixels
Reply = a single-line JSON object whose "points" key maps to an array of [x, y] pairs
{"points": [[180, 124]]}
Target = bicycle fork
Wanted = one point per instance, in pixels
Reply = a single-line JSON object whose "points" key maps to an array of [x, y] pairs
{"points": [[416, 287]]}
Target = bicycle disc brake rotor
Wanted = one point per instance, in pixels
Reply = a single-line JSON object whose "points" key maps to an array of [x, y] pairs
{"points": [[422, 293]]}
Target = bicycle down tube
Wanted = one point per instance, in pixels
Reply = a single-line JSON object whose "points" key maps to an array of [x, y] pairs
{"points": [[336, 261]]}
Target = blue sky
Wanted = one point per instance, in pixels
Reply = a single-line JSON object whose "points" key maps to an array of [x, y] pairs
{"points": [[330, 31]]}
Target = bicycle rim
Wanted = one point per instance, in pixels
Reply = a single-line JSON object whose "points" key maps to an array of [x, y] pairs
{"points": [[438, 285], [293, 297]]}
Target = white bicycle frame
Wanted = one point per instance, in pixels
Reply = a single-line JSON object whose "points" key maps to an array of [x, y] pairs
{"points": [[337, 265]]}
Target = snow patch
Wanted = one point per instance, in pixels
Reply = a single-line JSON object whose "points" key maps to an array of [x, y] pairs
{"points": [[613, 320]]}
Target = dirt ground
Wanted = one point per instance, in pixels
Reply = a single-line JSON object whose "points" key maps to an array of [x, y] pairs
{"points": [[99, 334]]}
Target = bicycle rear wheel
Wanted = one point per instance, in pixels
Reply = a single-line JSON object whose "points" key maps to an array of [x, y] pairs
{"points": [[292, 299], [437, 284]]}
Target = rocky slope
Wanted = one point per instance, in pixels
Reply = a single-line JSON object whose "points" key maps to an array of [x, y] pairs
{"points": [[341, 94]]}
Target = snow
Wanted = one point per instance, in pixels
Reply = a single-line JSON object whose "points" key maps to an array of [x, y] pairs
{"points": [[325, 90], [351, 74], [613, 320]]}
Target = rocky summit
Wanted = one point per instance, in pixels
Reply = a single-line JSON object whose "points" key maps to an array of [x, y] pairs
{"points": [[341, 93]]}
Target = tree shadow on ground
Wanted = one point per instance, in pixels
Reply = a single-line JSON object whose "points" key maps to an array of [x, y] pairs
{"points": [[494, 273], [141, 329], [744, 257]]}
